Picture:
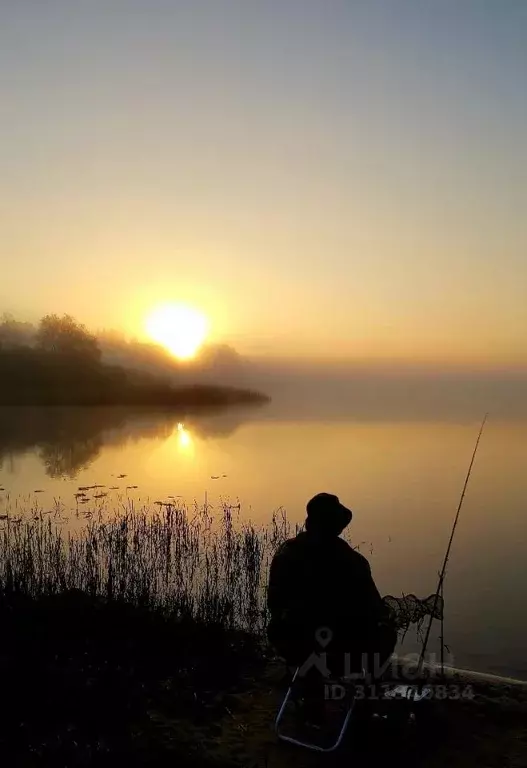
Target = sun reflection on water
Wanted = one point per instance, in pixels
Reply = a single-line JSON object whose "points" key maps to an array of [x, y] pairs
{"points": [[184, 439]]}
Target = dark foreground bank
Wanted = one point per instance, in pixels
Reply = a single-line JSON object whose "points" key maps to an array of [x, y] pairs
{"points": [[89, 681]]}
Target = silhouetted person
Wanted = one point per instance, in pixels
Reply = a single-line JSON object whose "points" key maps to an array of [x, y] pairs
{"points": [[318, 581]]}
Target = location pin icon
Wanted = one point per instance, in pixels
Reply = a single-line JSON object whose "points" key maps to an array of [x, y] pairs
{"points": [[323, 636]]}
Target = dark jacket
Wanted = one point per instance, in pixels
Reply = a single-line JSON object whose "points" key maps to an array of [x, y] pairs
{"points": [[322, 581]]}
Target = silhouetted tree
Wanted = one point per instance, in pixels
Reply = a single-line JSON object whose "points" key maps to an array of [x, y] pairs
{"points": [[64, 335]]}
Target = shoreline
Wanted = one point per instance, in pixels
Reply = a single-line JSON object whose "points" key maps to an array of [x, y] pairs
{"points": [[113, 681]]}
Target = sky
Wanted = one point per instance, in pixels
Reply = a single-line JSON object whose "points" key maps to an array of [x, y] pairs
{"points": [[324, 179]]}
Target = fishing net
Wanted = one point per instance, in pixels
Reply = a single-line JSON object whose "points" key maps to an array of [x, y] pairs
{"points": [[409, 609]]}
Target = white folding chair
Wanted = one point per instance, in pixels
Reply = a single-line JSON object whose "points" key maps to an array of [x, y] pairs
{"points": [[309, 745]]}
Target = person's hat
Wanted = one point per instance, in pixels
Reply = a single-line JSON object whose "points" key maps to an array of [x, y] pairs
{"points": [[324, 511]]}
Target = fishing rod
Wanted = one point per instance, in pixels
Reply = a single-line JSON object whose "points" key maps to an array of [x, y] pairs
{"points": [[439, 590]]}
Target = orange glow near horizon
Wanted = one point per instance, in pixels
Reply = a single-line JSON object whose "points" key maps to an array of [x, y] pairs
{"points": [[307, 211]]}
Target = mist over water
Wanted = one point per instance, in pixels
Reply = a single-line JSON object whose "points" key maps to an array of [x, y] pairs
{"points": [[394, 392]]}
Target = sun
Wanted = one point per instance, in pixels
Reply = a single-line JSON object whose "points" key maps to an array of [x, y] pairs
{"points": [[179, 328]]}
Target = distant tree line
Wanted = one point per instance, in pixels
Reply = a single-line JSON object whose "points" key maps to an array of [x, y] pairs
{"points": [[60, 363]]}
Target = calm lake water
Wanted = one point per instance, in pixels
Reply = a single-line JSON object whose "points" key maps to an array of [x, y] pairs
{"points": [[402, 480]]}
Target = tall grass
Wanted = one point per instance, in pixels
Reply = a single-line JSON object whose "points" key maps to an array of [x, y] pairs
{"points": [[196, 562]]}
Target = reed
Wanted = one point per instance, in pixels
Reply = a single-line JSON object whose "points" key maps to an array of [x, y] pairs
{"points": [[197, 562]]}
